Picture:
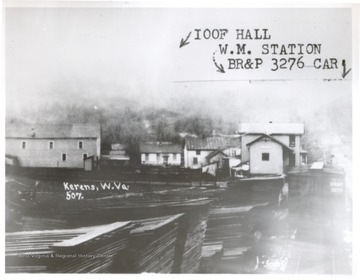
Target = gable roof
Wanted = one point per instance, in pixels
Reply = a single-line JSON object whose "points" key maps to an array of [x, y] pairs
{"points": [[272, 139], [272, 128], [38, 131], [211, 143], [215, 152], [160, 147]]}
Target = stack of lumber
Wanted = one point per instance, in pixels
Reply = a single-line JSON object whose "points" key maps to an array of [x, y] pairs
{"points": [[210, 249], [76, 250], [29, 251], [230, 224], [195, 236], [164, 244], [95, 250], [154, 246], [211, 254], [192, 234], [233, 226], [92, 212]]}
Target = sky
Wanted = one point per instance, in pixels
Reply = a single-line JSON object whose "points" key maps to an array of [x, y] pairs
{"points": [[76, 54]]}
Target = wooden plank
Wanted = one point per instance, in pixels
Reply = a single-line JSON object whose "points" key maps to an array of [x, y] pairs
{"points": [[90, 235]]}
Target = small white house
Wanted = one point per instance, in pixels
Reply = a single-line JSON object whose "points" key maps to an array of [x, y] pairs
{"points": [[161, 153], [268, 155]]}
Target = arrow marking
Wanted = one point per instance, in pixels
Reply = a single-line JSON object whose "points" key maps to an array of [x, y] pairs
{"points": [[344, 73], [185, 42], [219, 68]]}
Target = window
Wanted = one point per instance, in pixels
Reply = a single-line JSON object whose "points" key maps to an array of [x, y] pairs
{"points": [[147, 156], [174, 157], [51, 145], [63, 157], [85, 156], [23, 145], [292, 141], [198, 152], [81, 144], [195, 161], [265, 156]]}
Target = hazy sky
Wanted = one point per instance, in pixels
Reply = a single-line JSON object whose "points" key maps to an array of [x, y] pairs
{"points": [[75, 54]]}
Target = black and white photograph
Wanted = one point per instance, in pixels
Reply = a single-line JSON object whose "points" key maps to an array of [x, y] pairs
{"points": [[148, 138]]}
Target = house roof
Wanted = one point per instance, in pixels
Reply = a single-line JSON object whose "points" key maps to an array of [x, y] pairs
{"points": [[271, 138], [215, 152], [53, 131], [211, 143], [160, 147], [272, 128]]}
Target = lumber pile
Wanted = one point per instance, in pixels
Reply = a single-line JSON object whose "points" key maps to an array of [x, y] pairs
{"points": [[191, 233], [172, 247], [194, 237], [154, 246], [164, 244], [30, 251], [74, 250], [230, 224], [95, 250], [211, 254]]}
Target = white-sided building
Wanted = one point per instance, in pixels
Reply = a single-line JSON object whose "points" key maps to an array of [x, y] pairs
{"points": [[272, 147], [54, 146], [161, 153], [201, 151], [268, 155]]}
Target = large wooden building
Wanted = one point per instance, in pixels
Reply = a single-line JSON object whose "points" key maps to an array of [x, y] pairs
{"points": [[53, 146]]}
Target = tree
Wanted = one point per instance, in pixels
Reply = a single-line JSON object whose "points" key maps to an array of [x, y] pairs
{"points": [[312, 145]]}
